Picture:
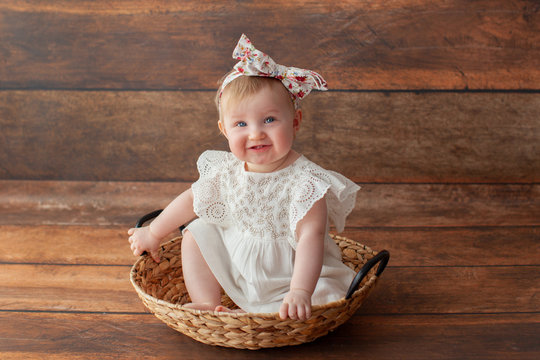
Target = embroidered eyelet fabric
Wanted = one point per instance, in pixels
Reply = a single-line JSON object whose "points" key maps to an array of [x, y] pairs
{"points": [[268, 206], [247, 227]]}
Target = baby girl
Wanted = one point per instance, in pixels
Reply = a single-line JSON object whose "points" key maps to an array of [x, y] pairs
{"points": [[258, 216]]}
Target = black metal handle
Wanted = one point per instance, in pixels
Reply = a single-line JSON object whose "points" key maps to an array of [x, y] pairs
{"points": [[147, 217], [152, 215], [383, 256]]}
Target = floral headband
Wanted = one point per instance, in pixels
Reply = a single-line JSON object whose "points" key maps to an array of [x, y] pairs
{"points": [[253, 62]]}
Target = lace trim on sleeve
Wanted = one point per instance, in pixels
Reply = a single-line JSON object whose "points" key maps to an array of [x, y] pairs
{"points": [[209, 201], [339, 191]]}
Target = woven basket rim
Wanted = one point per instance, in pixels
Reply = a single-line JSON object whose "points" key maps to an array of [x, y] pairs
{"points": [[367, 284]]}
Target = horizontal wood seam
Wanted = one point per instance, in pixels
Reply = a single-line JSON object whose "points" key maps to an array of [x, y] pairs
{"points": [[532, 183], [457, 266], [358, 314], [408, 183], [75, 312], [415, 91], [64, 264], [347, 229], [388, 266], [434, 227]]}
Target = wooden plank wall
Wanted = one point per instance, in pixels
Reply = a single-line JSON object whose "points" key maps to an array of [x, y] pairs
{"points": [[434, 109], [123, 91]]}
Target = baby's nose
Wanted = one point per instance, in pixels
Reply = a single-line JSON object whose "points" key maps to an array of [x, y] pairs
{"points": [[256, 133]]}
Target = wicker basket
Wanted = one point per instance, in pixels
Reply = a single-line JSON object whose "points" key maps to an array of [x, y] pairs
{"points": [[162, 290]]}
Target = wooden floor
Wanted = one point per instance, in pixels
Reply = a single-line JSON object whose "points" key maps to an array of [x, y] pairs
{"points": [[451, 291]]}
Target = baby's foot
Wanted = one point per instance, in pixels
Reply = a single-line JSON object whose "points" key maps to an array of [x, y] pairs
{"points": [[221, 308], [200, 306]]}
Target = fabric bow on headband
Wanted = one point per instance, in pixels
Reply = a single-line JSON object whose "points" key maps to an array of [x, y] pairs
{"points": [[253, 62]]}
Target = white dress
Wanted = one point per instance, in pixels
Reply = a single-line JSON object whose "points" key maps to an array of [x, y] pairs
{"points": [[247, 222]]}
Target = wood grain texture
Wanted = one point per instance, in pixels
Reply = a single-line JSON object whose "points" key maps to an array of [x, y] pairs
{"points": [[406, 44], [434, 290], [105, 107], [484, 246], [68, 288], [402, 290], [378, 205], [83, 203], [107, 336], [70, 245], [368, 137], [103, 245]]}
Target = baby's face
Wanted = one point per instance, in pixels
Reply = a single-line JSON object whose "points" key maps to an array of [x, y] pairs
{"points": [[260, 128]]}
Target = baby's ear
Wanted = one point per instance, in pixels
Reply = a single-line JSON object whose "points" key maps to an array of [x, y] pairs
{"points": [[221, 128]]}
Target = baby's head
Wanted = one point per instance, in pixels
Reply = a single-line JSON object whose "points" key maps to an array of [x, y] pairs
{"points": [[258, 107]]}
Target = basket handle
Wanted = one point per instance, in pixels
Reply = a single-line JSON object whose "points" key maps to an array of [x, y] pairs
{"points": [[148, 217], [383, 256], [152, 215]]}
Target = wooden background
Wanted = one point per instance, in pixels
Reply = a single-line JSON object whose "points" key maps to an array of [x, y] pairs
{"points": [[99, 91], [434, 109]]}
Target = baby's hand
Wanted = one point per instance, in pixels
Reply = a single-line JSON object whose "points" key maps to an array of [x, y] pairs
{"points": [[142, 240], [296, 305]]}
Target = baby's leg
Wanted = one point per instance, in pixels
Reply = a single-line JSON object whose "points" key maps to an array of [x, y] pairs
{"points": [[201, 284]]}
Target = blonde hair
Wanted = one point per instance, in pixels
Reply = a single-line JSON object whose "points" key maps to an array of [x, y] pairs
{"points": [[245, 86]]}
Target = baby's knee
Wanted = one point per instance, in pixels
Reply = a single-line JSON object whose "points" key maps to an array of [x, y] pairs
{"points": [[188, 242], [186, 234]]}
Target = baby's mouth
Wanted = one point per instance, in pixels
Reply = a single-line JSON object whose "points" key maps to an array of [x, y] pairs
{"points": [[258, 147]]}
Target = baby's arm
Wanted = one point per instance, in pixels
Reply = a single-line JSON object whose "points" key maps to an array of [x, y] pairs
{"points": [[308, 263], [148, 238]]}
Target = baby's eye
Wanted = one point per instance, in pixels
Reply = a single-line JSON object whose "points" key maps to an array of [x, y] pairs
{"points": [[241, 124], [269, 120]]}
